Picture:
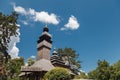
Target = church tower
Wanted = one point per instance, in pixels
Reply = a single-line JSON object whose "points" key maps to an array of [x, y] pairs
{"points": [[44, 45], [43, 63]]}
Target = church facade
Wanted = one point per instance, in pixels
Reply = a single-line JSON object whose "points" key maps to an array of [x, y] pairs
{"points": [[44, 62]]}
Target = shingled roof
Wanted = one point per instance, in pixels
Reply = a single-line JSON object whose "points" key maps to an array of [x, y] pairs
{"points": [[40, 65]]}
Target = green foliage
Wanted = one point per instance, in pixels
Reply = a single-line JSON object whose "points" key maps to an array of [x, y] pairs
{"points": [[92, 74], [70, 55], [31, 61], [57, 74], [115, 71], [8, 28], [13, 67], [106, 72], [101, 72], [3, 72]]}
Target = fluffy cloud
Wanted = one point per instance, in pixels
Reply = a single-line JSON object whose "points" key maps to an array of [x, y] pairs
{"points": [[12, 48], [14, 52], [72, 24], [19, 9], [47, 18], [42, 16]]}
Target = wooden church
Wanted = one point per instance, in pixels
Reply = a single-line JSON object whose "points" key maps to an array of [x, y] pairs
{"points": [[44, 62]]}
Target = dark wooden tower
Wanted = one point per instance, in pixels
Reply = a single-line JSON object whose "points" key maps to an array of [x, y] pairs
{"points": [[57, 61], [44, 45], [43, 64]]}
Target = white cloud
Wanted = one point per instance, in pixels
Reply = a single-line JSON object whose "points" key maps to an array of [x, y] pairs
{"points": [[12, 48], [46, 18], [41, 16], [25, 22], [33, 57], [14, 52], [32, 11], [19, 9], [72, 24]]}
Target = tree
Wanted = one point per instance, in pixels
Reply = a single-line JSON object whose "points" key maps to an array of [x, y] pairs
{"points": [[57, 74], [92, 74], [101, 72], [8, 28], [71, 57], [104, 71], [31, 61], [115, 71], [13, 67], [3, 72]]}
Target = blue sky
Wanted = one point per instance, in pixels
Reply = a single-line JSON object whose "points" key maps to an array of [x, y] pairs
{"points": [[95, 35]]}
